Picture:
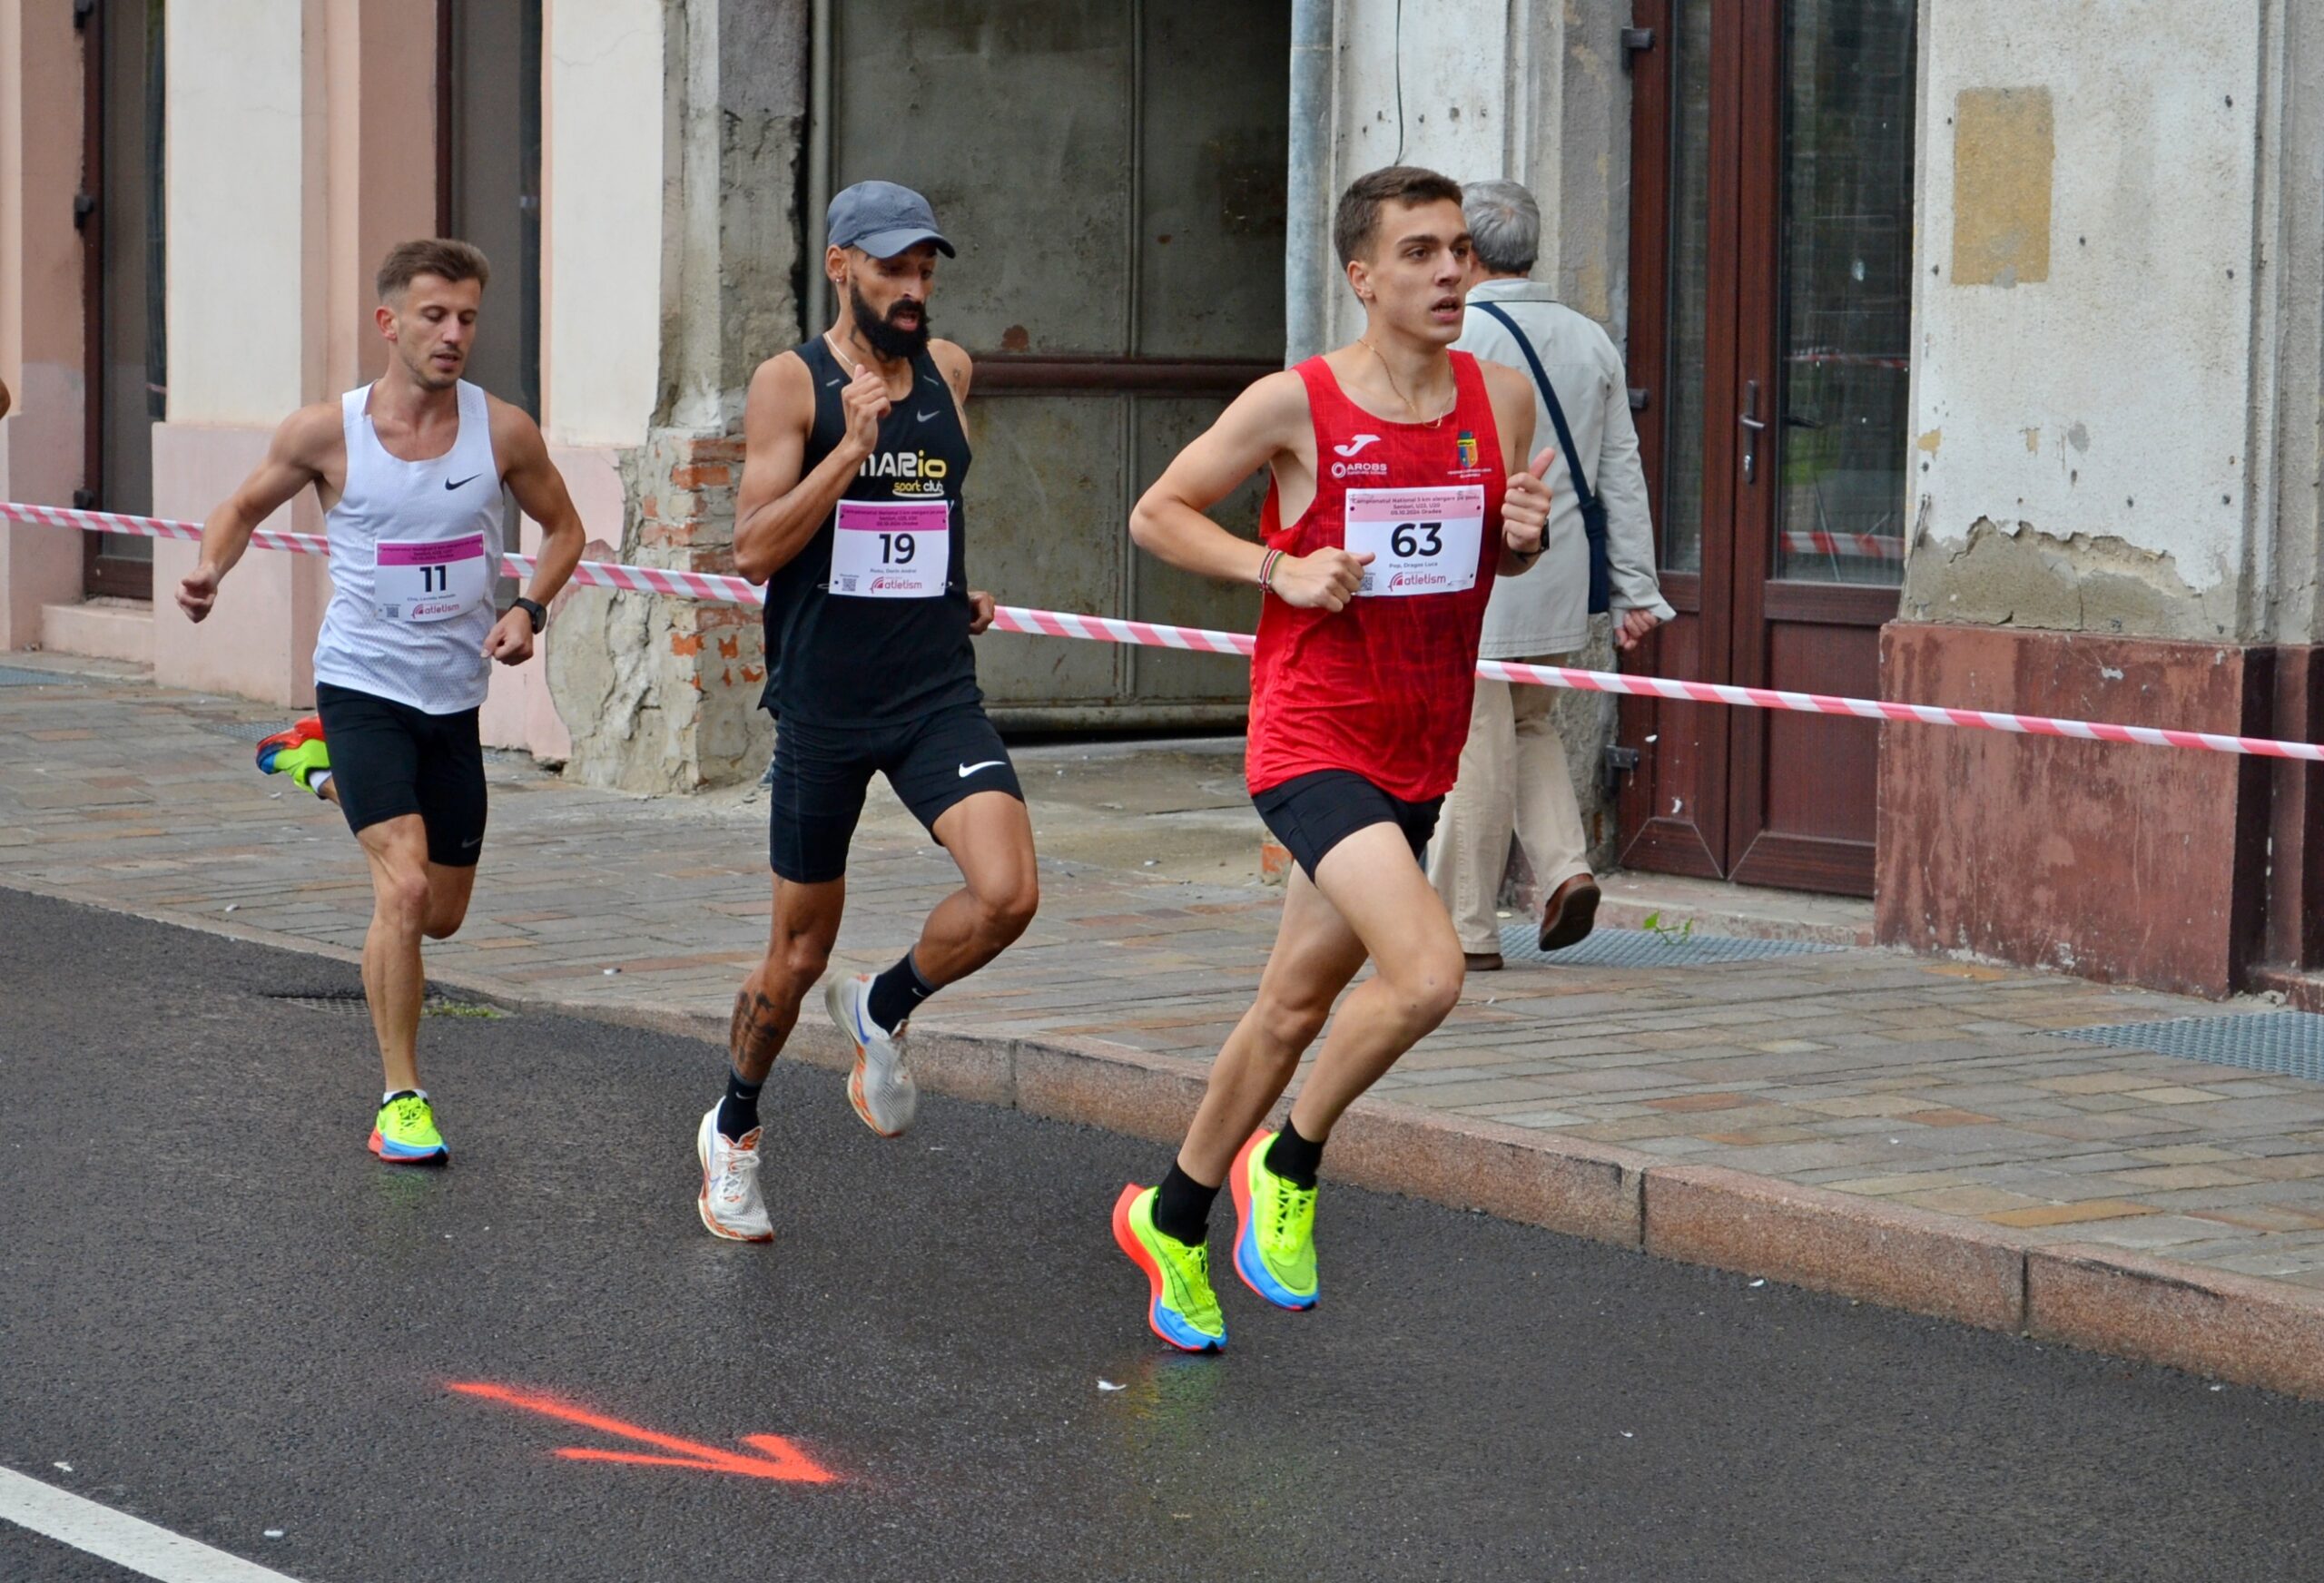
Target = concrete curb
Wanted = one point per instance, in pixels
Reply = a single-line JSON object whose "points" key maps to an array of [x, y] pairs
{"points": [[2244, 1329]]}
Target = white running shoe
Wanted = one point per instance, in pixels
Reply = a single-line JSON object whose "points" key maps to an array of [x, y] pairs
{"points": [[879, 1088], [730, 1202]]}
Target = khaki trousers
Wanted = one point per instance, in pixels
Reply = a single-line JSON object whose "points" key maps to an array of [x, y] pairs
{"points": [[1513, 776]]}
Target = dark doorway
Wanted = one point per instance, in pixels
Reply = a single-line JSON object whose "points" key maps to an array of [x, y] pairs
{"points": [[123, 284], [1113, 174], [1772, 252], [489, 177]]}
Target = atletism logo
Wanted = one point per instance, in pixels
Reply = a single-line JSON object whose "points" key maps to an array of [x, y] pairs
{"points": [[1466, 446]]}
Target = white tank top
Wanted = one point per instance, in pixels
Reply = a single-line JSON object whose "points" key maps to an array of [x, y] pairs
{"points": [[415, 555]]}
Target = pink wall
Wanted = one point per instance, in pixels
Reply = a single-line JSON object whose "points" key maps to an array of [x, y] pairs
{"points": [[520, 712], [40, 305], [369, 165], [260, 641]]}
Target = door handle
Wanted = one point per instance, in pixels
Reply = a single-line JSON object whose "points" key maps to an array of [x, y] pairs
{"points": [[1751, 428]]}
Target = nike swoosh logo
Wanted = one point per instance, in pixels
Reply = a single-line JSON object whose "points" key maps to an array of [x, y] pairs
{"points": [[1355, 445], [455, 483], [968, 769], [924, 416]]}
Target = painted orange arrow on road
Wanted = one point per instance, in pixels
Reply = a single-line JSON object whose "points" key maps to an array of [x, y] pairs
{"points": [[776, 1457]]}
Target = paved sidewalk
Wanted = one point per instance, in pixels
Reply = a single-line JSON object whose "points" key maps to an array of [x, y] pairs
{"points": [[1939, 1085]]}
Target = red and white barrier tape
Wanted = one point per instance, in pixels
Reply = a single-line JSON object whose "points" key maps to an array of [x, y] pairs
{"points": [[1878, 546], [715, 589]]}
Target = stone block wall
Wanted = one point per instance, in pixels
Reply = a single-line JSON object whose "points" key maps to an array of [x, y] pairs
{"points": [[662, 694]]}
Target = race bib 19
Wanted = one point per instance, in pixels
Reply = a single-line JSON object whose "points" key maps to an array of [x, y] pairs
{"points": [[883, 551], [430, 579], [1421, 541]]}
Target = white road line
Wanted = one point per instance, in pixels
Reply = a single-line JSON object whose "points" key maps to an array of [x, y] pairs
{"points": [[121, 1539]]}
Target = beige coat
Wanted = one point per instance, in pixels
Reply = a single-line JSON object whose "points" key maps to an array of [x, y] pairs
{"points": [[1547, 611]]}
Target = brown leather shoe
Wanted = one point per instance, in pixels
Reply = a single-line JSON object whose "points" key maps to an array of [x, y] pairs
{"points": [[1482, 961], [1571, 913]]}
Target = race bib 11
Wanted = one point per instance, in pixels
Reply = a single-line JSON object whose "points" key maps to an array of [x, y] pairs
{"points": [[899, 551], [421, 580], [1421, 541]]}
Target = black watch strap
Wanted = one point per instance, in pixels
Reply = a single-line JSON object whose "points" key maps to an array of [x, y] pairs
{"points": [[536, 609]]}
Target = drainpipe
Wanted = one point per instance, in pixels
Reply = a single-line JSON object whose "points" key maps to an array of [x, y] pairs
{"points": [[1305, 244]]}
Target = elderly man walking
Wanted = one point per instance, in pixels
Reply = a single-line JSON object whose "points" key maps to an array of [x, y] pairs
{"points": [[1513, 769]]}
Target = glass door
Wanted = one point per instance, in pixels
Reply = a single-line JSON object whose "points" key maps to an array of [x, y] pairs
{"points": [[1775, 139]]}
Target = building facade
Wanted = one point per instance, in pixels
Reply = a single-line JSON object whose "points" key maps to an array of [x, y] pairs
{"points": [[1976, 354]]}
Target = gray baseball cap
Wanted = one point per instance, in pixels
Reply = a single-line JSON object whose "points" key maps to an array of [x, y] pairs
{"points": [[883, 220]]}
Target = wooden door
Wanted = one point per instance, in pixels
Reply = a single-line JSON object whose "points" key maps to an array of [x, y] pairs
{"points": [[1772, 256]]}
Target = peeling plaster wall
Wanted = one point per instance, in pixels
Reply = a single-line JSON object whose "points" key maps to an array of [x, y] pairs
{"points": [[661, 694], [2088, 193]]}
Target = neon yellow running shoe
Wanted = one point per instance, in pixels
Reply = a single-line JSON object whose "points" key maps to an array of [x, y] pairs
{"points": [[298, 752], [1180, 1308], [405, 1133], [1274, 1229]]}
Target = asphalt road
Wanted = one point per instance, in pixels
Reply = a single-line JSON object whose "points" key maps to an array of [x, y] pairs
{"points": [[227, 1318]]}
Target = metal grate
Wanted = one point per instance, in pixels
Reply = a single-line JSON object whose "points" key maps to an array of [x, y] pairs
{"points": [[350, 1003], [2284, 1044], [1637, 948], [240, 730], [18, 676]]}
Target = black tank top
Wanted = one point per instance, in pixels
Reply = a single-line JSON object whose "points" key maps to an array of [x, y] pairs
{"points": [[860, 634]]}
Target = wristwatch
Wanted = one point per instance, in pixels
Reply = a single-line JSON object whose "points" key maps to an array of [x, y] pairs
{"points": [[536, 609]]}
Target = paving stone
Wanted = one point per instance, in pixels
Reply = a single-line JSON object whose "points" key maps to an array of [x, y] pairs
{"points": [[1802, 1068]]}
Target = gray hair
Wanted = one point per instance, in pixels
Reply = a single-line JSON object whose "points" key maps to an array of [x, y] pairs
{"points": [[1505, 225]]}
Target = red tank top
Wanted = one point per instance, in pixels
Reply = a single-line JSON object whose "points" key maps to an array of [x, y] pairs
{"points": [[1383, 688]]}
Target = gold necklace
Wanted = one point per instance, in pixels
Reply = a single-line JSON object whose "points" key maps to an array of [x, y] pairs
{"points": [[854, 367], [1410, 405]]}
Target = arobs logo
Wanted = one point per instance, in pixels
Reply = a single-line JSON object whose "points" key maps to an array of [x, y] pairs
{"points": [[1348, 468]]}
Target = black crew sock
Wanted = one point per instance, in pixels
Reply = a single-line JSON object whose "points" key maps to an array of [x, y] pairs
{"points": [[1182, 1207], [896, 994], [738, 1111], [1295, 1158]]}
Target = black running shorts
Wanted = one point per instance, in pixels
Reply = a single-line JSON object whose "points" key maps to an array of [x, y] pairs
{"points": [[1312, 813], [820, 773], [388, 758]]}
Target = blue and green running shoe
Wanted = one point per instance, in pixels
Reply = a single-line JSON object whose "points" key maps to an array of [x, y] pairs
{"points": [[1274, 1229], [1181, 1308]]}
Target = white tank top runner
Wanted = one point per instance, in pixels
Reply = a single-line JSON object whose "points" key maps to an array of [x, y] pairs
{"points": [[414, 553]]}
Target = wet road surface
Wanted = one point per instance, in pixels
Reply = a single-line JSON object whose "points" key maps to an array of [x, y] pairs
{"points": [[227, 1318]]}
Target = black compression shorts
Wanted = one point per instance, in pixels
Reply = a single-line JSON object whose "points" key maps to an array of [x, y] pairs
{"points": [[388, 758], [820, 773], [1312, 813]]}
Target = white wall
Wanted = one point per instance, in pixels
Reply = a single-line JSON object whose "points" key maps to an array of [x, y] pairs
{"points": [[237, 147], [2112, 398], [1532, 91], [601, 234], [1453, 60]]}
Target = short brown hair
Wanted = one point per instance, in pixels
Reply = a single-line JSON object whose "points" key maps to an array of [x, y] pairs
{"points": [[1357, 224], [440, 256]]}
